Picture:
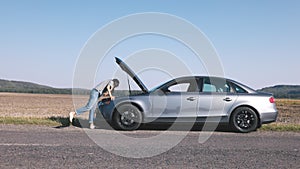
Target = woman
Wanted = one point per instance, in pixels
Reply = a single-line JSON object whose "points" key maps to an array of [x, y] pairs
{"points": [[102, 91]]}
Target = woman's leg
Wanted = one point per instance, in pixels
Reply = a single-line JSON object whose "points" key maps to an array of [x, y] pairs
{"points": [[92, 114], [91, 103]]}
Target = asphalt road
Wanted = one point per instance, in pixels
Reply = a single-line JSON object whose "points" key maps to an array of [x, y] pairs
{"points": [[23, 146]]}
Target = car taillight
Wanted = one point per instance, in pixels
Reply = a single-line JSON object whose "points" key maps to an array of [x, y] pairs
{"points": [[272, 100]]}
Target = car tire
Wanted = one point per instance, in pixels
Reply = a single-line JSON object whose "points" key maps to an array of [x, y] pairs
{"points": [[127, 117], [244, 119]]}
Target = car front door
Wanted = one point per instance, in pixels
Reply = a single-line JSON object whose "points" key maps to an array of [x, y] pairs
{"points": [[177, 99]]}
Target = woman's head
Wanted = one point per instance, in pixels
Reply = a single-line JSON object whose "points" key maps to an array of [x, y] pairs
{"points": [[113, 86], [116, 83]]}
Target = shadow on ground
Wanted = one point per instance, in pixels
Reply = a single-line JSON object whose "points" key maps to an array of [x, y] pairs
{"points": [[64, 122], [102, 124]]}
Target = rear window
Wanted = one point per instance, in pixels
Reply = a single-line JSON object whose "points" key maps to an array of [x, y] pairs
{"points": [[238, 89]]}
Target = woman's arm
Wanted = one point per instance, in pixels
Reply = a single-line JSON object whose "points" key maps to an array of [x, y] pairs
{"points": [[103, 97], [109, 89]]}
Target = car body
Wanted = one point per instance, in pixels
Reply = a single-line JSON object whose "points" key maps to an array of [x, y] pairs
{"points": [[191, 99]]}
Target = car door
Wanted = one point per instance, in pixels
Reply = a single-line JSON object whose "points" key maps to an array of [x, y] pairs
{"points": [[216, 97], [179, 98]]}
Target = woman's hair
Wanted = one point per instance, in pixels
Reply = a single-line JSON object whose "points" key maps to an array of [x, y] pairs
{"points": [[116, 82]]}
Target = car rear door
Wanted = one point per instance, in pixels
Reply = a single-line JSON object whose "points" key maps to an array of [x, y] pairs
{"points": [[216, 97]]}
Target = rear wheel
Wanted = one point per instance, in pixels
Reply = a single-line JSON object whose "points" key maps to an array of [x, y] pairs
{"points": [[244, 119], [127, 117]]}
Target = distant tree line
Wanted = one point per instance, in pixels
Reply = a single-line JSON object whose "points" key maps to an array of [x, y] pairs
{"points": [[66, 91], [40, 91], [284, 91], [279, 91]]}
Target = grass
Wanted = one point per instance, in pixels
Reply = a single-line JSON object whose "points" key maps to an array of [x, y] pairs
{"points": [[281, 127], [51, 121]]}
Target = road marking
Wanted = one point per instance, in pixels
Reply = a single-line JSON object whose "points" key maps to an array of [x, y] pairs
{"points": [[22, 144]]}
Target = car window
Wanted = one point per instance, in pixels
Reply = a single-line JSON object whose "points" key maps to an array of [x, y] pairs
{"points": [[186, 85], [216, 85], [209, 88], [227, 88], [182, 87], [238, 89]]}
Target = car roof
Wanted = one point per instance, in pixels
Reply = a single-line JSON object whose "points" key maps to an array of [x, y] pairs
{"points": [[249, 89]]}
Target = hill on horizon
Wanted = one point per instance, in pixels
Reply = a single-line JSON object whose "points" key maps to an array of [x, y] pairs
{"points": [[29, 87], [283, 91], [279, 91]]}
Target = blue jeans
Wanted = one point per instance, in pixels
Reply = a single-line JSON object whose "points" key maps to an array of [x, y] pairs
{"points": [[90, 106]]}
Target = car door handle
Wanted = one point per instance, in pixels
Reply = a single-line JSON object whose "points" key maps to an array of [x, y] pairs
{"points": [[191, 98], [227, 99]]}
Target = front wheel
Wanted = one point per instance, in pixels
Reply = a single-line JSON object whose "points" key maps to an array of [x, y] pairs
{"points": [[127, 117], [244, 119]]}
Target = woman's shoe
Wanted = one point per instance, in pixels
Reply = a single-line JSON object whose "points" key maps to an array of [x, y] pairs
{"points": [[72, 114], [92, 126]]}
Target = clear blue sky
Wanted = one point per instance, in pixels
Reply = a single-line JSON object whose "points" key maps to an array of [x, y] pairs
{"points": [[258, 41]]}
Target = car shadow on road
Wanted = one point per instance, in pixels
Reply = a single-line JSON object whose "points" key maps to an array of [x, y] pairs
{"points": [[102, 124], [186, 127]]}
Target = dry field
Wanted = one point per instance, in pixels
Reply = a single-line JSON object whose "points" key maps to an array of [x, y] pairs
{"points": [[37, 105], [289, 111], [47, 105]]}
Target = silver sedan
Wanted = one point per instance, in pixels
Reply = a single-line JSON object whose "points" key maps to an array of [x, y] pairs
{"points": [[197, 99]]}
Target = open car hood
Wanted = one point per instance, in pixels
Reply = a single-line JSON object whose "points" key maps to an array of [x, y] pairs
{"points": [[130, 72]]}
